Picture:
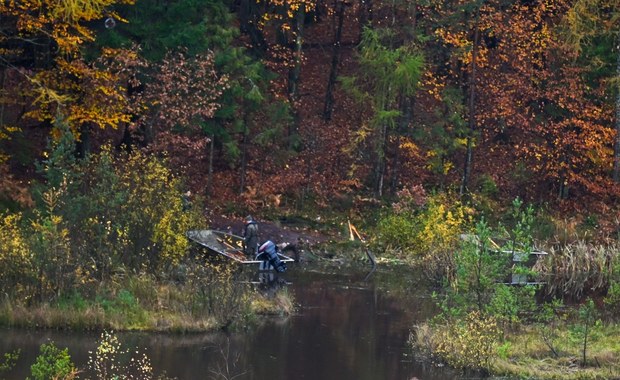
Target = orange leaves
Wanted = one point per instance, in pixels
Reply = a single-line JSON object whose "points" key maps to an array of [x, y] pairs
{"points": [[184, 95], [187, 89], [454, 38], [61, 20]]}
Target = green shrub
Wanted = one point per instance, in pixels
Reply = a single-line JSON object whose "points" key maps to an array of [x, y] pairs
{"points": [[420, 226], [53, 363], [9, 360], [396, 232], [612, 299], [478, 269], [107, 213], [73, 301], [586, 328], [16, 264], [469, 343], [487, 185]]}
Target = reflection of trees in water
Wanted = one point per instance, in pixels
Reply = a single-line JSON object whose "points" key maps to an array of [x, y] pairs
{"points": [[362, 327], [344, 328], [217, 355], [227, 365], [170, 340]]}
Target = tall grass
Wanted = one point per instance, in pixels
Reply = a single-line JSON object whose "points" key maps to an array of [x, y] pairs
{"points": [[578, 269], [204, 299]]}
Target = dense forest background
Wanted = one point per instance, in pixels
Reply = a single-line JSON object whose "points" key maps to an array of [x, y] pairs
{"points": [[331, 104], [461, 136]]}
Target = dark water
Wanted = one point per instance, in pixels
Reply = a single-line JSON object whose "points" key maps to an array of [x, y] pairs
{"points": [[346, 327]]}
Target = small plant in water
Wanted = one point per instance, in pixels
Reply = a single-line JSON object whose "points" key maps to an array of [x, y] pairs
{"points": [[53, 363], [227, 366], [8, 362], [109, 361]]}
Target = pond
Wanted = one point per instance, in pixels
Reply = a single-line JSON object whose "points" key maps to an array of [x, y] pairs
{"points": [[348, 325]]}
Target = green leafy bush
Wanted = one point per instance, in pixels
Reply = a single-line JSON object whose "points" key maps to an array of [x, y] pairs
{"points": [[418, 225], [16, 262], [396, 232], [469, 343], [8, 361], [53, 363]]}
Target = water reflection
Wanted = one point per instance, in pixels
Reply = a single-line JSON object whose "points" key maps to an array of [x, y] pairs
{"points": [[345, 327]]}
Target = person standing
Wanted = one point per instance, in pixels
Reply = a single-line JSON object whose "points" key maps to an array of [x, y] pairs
{"points": [[186, 199], [250, 236]]}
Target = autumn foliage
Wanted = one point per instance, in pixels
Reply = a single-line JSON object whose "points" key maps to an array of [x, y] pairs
{"points": [[463, 96]]}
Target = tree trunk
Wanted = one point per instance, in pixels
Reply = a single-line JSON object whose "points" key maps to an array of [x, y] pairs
{"points": [[248, 23], [82, 145], [294, 74], [333, 74], [472, 111], [210, 173], [380, 165], [2, 104], [616, 172], [244, 152], [406, 109]]}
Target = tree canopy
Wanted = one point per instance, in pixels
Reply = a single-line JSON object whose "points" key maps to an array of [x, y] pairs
{"points": [[519, 96]]}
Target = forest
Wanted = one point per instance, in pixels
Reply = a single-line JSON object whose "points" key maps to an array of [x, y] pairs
{"points": [[279, 104], [417, 120]]}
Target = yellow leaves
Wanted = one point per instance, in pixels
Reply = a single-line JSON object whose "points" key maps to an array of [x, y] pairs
{"points": [[447, 167], [81, 93], [61, 19], [457, 39], [285, 11], [470, 343], [15, 255], [13, 246], [46, 96], [5, 134], [73, 11], [166, 233], [410, 146], [461, 141]]}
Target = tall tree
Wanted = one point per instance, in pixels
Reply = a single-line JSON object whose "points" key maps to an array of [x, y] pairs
{"points": [[42, 42], [185, 94], [207, 28], [460, 26], [543, 116], [287, 19], [333, 70], [593, 29], [387, 75]]}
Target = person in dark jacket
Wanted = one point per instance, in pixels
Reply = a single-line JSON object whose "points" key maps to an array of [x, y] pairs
{"points": [[250, 236]]}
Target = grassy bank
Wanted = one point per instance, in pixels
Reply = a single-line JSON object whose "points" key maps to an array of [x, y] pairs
{"points": [[143, 303], [564, 329], [525, 354]]}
